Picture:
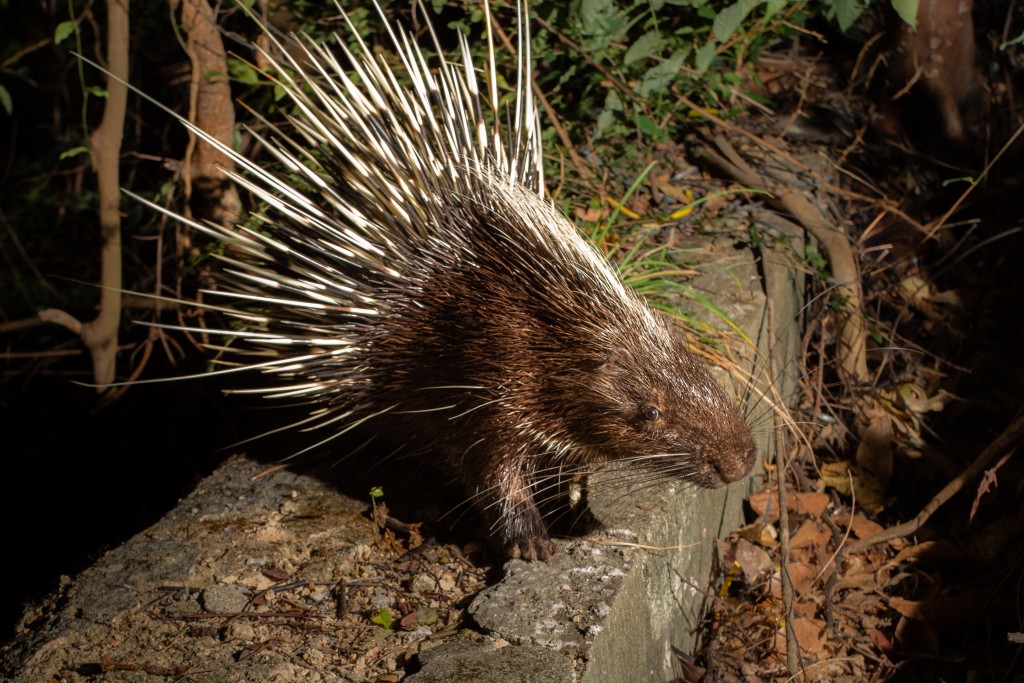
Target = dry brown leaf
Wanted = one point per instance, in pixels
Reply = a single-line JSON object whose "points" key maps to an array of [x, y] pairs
{"points": [[640, 203], [863, 603], [590, 215], [881, 641], [805, 608], [942, 613], [862, 527], [860, 581], [810, 535], [950, 297], [868, 489], [933, 552], [917, 400], [812, 503], [754, 562], [912, 609], [765, 535], [915, 291], [810, 635], [802, 575], [874, 452]]}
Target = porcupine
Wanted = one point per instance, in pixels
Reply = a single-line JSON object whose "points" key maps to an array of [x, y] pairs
{"points": [[416, 282]]}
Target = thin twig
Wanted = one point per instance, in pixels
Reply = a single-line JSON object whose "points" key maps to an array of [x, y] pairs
{"points": [[756, 139]]}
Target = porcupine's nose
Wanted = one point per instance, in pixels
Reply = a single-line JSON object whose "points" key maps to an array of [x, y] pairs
{"points": [[735, 460]]}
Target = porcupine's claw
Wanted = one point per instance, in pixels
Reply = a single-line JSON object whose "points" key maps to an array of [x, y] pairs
{"points": [[533, 549]]}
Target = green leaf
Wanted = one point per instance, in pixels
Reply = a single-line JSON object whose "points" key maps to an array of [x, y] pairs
{"points": [[907, 10], [647, 126], [73, 152], [658, 78], [383, 618], [376, 492], [5, 100], [243, 72], [605, 120], [63, 30], [705, 55], [602, 23], [773, 7], [729, 19], [612, 101], [646, 46], [847, 12]]}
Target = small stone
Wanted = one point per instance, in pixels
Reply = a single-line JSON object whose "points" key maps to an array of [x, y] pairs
{"points": [[381, 599], [223, 600], [423, 583]]}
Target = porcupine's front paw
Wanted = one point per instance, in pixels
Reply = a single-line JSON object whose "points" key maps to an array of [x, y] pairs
{"points": [[504, 495], [523, 532], [532, 549]]}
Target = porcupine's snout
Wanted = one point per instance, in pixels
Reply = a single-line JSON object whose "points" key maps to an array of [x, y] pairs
{"points": [[734, 460]]}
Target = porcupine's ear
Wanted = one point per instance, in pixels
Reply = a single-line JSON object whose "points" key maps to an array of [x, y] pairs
{"points": [[611, 368], [616, 359]]}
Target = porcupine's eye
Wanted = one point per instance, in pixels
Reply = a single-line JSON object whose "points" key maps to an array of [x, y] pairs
{"points": [[650, 413]]}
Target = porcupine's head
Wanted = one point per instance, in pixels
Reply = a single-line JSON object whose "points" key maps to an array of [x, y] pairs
{"points": [[662, 412], [619, 383]]}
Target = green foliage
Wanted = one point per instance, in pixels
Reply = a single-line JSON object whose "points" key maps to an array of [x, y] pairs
{"points": [[844, 13], [633, 58], [614, 72], [907, 10], [243, 72], [816, 260]]}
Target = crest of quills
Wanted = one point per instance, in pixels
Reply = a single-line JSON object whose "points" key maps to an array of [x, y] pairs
{"points": [[418, 287]]}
